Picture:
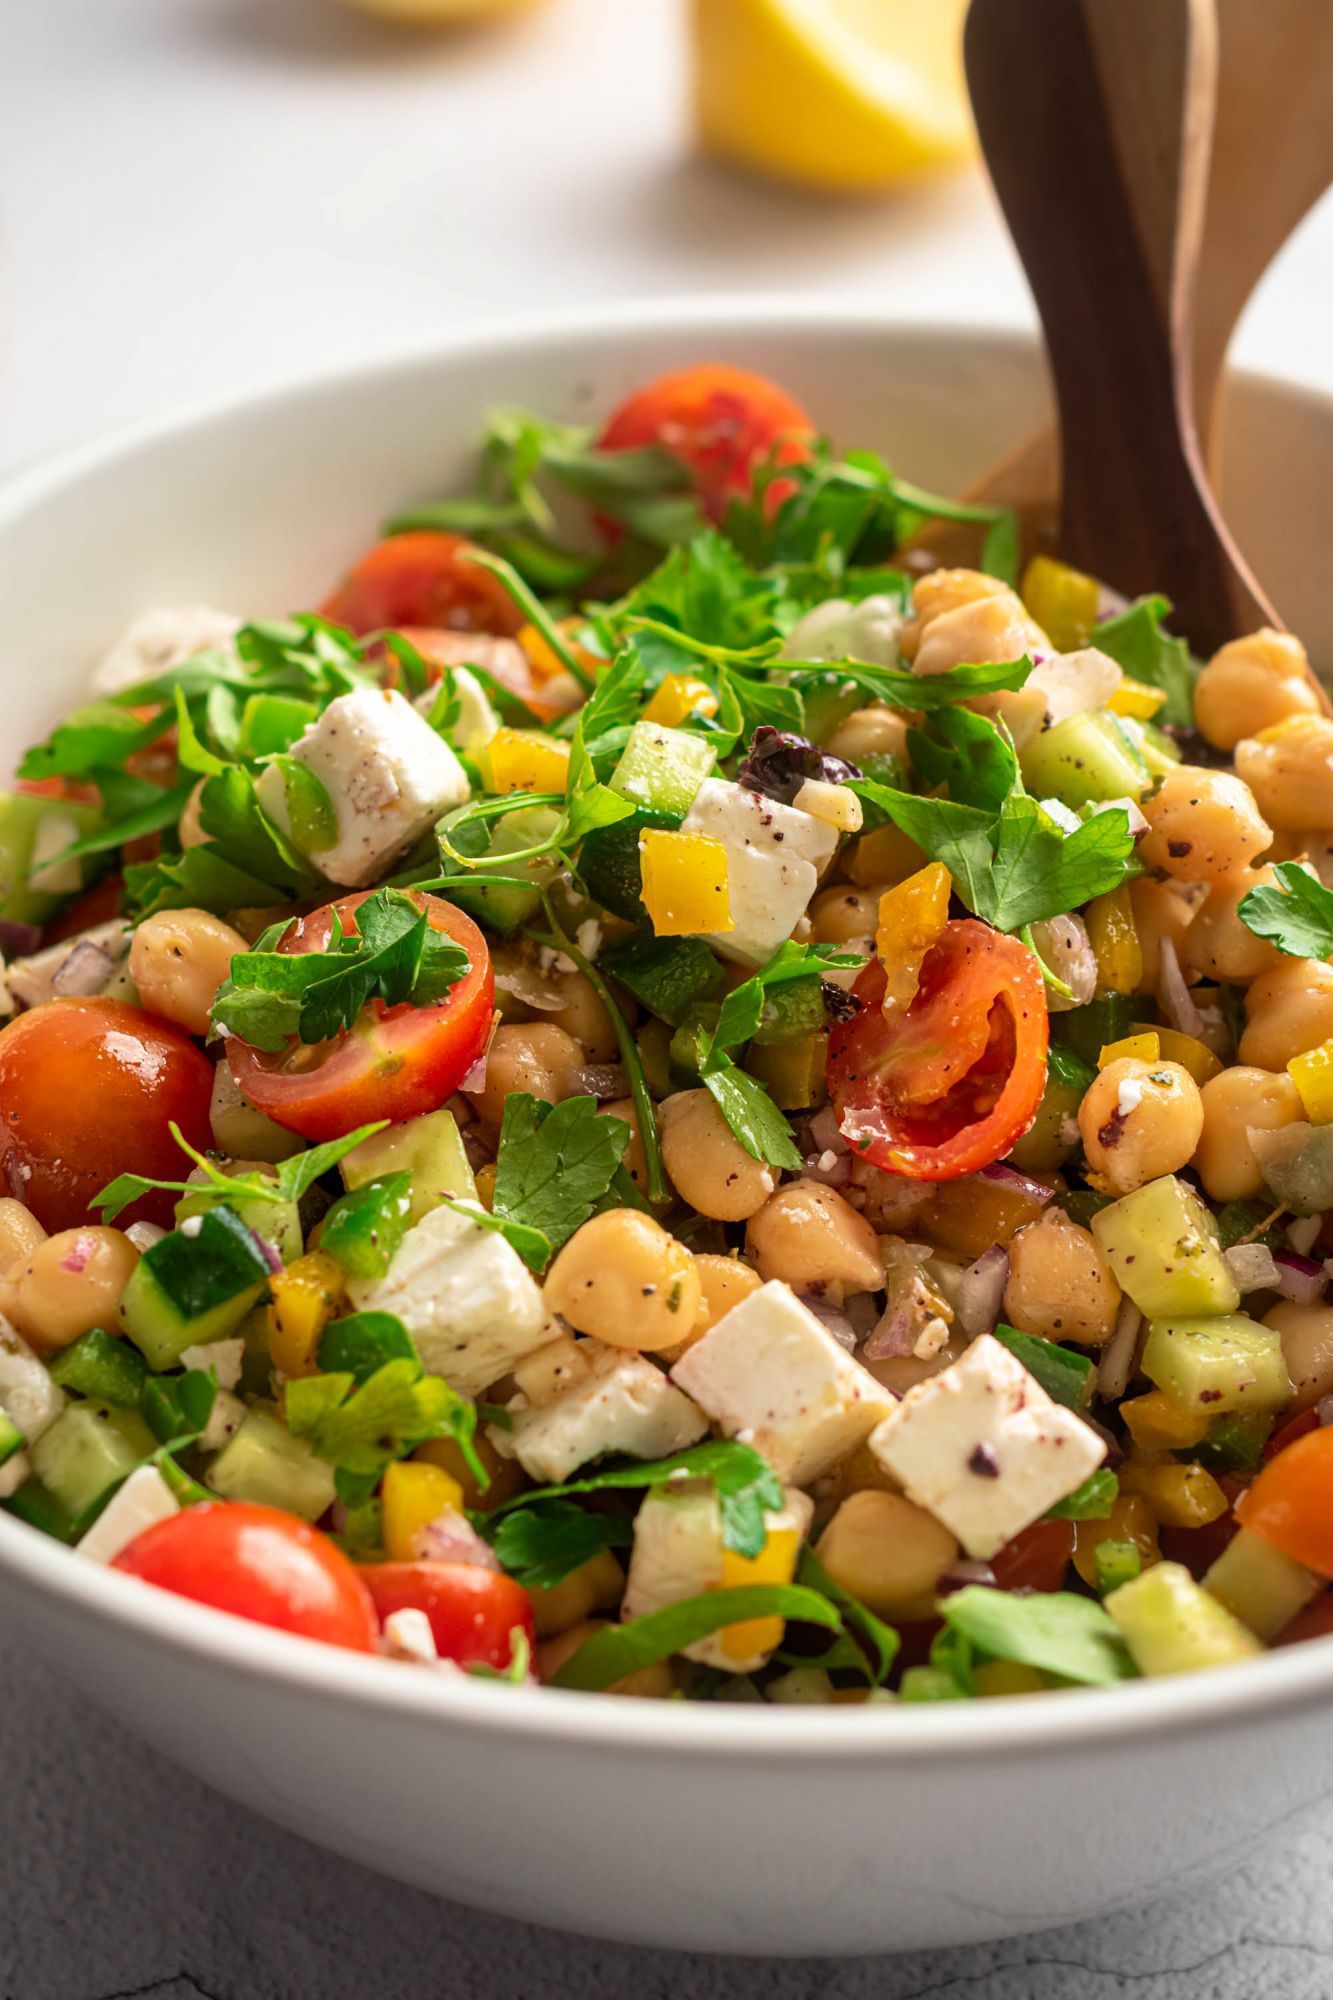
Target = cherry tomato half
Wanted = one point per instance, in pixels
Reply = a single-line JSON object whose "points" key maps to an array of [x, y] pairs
{"points": [[473, 1612], [422, 578], [396, 1062], [1290, 1503], [945, 1087], [259, 1564], [97, 905], [1037, 1557], [88, 1089], [719, 421]]}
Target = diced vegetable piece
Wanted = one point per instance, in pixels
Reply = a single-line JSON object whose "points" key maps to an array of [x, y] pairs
{"points": [[1066, 1377], [1130, 1524], [1259, 1585], [365, 1226], [1227, 1362], [12, 1439], [1084, 761], [679, 696], [1136, 698], [430, 1148], [276, 1222], [1161, 1244], [793, 1073], [263, 1462], [22, 818], [1191, 1054], [272, 722], [1290, 1503], [610, 863], [685, 883], [1086, 1030], [969, 1215], [1181, 1496], [1115, 1563], [1297, 1165], [306, 1297], [666, 975], [107, 1370], [679, 1553], [89, 1449], [1114, 938], [1158, 1423], [526, 760], [1171, 1626], [1235, 1442], [242, 1131], [1063, 601], [1143, 1047], [506, 904], [412, 1495], [1053, 1133], [1312, 1074], [911, 917], [193, 1287], [662, 769]]}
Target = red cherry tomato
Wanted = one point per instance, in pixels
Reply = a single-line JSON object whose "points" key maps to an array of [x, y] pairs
{"points": [[1315, 1622], [422, 578], [1295, 1427], [59, 788], [396, 1062], [719, 421], [1037, 1557], [88, 1089], [97, 905], [946, 1086], [259, 1564], [473, 1612]]}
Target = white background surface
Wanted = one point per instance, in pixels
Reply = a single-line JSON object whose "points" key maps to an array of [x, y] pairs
{"points": [[200, 194]]}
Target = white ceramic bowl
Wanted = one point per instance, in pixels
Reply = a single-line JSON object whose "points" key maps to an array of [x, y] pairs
{"points": [[728, 1829]]}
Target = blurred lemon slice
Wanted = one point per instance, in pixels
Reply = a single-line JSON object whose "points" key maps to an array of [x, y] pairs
{"points": [[849, 94], [438, 13]]}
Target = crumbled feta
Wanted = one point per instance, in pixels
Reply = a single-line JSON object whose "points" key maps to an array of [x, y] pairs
{"points": [[984, 1449], [387, 773], [841, 630], [143, 1501], [772, 1375], [408, 1635], [774, 855], [224, 1420], [225, 1357], [161, 639], [624, 1404], [679, 1553], [834, 804], [476, 722], [28, 1396], [466, 1297], [1129, 1096]]}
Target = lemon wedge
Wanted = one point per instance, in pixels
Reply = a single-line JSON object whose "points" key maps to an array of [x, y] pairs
{"points": [[842, 94]]}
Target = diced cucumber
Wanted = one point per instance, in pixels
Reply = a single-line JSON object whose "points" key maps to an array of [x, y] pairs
{"points": [[661, 769], [791, 1011], [1213, 1365], [1116, 1562], [665, 975], [507, 904], [190, 1289], [365, 1226], [1171, 1626], [272, 722], [1259, 1585], [1155, 747], [263, 1462], [22, 816], [1084, 761], [1066, 1377], [1235, 1443], [12, 1439], [430, 1148], [96, 1365], [1087, 1030], [609, 864], [89, 1449], [32, 1503], [1296, 1162], [1162, 1245], [691, 1041], [276, 1222], [240, 1130], [1053, 1133]]}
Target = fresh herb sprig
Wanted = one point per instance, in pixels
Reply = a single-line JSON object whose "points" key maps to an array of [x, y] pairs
{"points": [[291, 1179]]}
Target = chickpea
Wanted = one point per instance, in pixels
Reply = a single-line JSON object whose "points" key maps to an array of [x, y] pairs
{"points": [[1252, 683], [1060, 1284], [1234, 1102], [725, 1281], [20, 1233], [656, 1681], [1307, 1349], [634, 1161], [505, 1476], [69, 1284], [1289, 768], [1160, 910], [876, 731], [535, 1056], [1139, 1120], [1217, 944], [178, 960], [844, 916], [709, 1167], [584, 1016], [943, 590], [624, 1280], [1288, 1010], [809, 1236], [881, 857], [1202, 825], [596, 1585], [991, 628], [189, 827], [888, 1552]]}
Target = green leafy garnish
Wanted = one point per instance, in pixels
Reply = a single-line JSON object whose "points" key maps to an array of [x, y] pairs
{"points": [[1295, 914], [1136, 641], [618, 1650], [746, 1484], [555, 1163], [541, 1545], [360, 1343], [291, 1179], [365, 1226], [359, 1428], [1092, 1501], [1062, 1634]]}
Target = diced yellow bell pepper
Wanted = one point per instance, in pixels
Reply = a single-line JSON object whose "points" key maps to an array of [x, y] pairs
{"points": [[1181, 1496], [1001, 1677], [685, 883], [1144, 1047], [1062, 600], [1187, 1050], [911, 918], [775, 1563], [679, 696], [524, 760], [1157, 1423], [883, 855], [1114, 937], [1136, 698], [1130, 1520], [305, 1298], [412, 1495], [485, 1178], [792, 1072], [1312, 1074]]}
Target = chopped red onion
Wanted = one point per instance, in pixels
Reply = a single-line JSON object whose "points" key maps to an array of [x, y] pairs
{"points": [[451, 1538], [1173, 994], [824, 1131], [980, 1291], [84, 972], [1115, 1371], [829, 1169], [1252, 1267], [894, 1333], [964, 1572], [1009, 1177], [476, 1077], [832, 1317], [18, 940], [1299, 1279], [862, 1310]]}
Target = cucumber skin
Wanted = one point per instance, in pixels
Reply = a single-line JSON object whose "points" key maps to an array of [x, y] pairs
{"points": [[189, 1290], [88, 1450]]}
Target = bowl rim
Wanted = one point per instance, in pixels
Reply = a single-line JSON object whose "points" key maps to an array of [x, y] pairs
{"points": [[1286, 1682]]}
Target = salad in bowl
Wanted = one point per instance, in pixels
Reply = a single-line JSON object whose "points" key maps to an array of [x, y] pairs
{"points": [[667, 1096]]}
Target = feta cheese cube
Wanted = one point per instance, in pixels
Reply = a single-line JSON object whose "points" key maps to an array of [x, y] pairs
{"points": [[28, 1396], [679, 1553], [468, 1300], [161, 639], [624, 1404], [476, 722], [389, 776], [143, 1501], [984, 1449], [408, 1635], [774, 855], [771, 1375], [225, 1357]]}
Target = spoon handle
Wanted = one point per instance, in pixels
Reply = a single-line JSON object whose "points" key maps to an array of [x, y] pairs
{"points": [[1096, 120]]}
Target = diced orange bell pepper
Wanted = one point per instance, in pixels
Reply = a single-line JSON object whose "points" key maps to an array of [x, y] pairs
{"points": [[1063, 601], [685, 883], [679, 696], [775, 1563], [1181, 1496], [1312, 1074], [912, 917], [1290, 1504], [1187, 1050], [1136, 698]]}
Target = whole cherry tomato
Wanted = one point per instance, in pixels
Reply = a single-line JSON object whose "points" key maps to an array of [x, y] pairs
{"points": [[396, 1062], [422, 578], [473, 1612], [259, 1564], [88, 1089], [721, 423], [945, 1086]]}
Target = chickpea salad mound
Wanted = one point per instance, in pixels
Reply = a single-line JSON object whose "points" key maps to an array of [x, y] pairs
{"points": [[667, 1097]]}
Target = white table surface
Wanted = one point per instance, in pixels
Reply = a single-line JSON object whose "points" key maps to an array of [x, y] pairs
{"points": [[200, 194]]}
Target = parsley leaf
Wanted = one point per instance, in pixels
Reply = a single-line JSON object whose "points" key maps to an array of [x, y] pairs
{"points": [[618, 1650], [1056, 1631], [901, 688], [1296, 914], [1091, 1501], [291, 1180], [361, 1428], [747, 1488], [750, 1112], [968, 754], [532, 1245], [542, 1545], [1135, 641], [555, 1163], [865, 1644]]}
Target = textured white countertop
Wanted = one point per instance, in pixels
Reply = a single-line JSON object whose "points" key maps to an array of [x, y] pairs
{"points": [[197, 194]]}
